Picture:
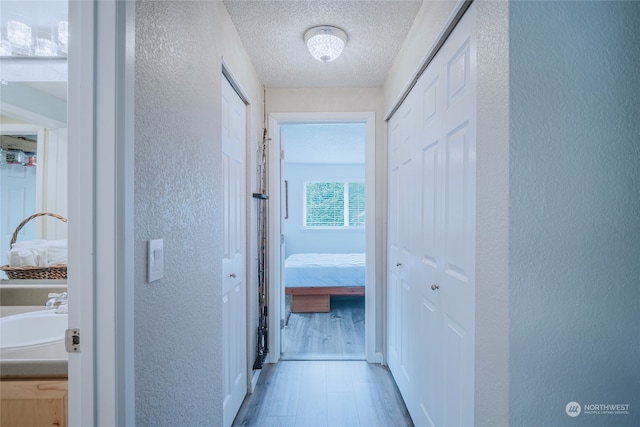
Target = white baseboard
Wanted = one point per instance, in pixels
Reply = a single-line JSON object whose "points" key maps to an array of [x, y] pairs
{"points": [[380, 358], [377, 359]]}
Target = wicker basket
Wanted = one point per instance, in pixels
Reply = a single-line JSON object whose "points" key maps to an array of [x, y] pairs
{"points": [[56, 271]]}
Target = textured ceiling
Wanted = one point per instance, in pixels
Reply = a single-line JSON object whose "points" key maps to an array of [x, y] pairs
{"points": [[272, 33]]}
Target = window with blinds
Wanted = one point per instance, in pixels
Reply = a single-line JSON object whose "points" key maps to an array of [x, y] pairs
{"points": [[334, 204], [356, 204]]}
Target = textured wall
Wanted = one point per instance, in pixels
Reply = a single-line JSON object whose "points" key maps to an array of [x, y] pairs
{"points": [[430, 19], [178, 357], [575, 210], [492, 216]]}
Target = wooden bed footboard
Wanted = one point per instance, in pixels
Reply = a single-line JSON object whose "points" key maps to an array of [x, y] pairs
{"points": [[318, 299]]}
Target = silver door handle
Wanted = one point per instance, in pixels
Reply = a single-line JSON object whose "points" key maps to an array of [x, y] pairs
{"points": [[232, 275], [398, 264], [435, 286]]}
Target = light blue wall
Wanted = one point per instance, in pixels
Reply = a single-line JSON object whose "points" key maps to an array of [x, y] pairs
{"points": [[301, 240], [574, 211]]}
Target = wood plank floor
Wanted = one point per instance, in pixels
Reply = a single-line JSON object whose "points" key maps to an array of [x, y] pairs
{"points": [[337, 335], [324, 394]]}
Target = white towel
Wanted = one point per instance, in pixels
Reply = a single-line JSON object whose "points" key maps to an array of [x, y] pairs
{"points": [[57, 251], [28, 257], [28, 244], [38, 253]]}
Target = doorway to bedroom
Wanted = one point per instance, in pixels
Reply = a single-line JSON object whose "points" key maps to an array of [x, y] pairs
{"points": [[323, 224]]}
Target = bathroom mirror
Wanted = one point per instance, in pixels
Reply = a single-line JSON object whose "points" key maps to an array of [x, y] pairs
{"points": [[33, 171], [33, 120]]}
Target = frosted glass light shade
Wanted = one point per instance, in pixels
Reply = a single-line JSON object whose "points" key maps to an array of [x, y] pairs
{"points": [[325, 43]]}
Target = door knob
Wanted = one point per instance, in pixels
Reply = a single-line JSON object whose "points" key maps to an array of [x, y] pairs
{"points": [[398, 264], [232, 275], [435, 286]]}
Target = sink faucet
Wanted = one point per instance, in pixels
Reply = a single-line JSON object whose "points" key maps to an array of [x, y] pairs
{"points": [[57, 301]]}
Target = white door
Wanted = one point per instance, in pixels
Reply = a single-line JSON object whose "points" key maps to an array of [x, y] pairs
{"points": [[457, 278], [431, 292], [402, 224], [234, 291]]}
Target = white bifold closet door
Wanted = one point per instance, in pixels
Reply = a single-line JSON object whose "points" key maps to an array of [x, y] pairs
{"points": [[431, 272], [234, 283]]}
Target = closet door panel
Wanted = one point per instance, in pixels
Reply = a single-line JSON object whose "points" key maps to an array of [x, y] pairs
{"points": [[430, 375], [406, 337], [393, 320], [395, 138], [458, 69], [431, 257], [457, 287], [430, 193], [428, 182], [394, 279], [407, 290], [455, 370], [457, 203], [393, 292], [457, 291], [406, 224], [431, 101]]}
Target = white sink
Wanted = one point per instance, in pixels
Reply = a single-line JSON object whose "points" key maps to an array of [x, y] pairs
{"points": [[34, 328]]}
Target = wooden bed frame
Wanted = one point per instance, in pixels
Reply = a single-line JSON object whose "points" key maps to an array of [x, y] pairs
{"points": [[318, 299]]}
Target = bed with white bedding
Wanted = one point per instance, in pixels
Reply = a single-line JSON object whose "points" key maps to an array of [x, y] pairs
{"points": [[311, 279]]}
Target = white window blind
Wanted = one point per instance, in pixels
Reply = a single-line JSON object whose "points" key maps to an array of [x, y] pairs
{"points": [[356, 204], [334, 204]]}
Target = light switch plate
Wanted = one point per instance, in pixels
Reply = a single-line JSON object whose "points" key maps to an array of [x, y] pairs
{"points": [[155, 260]]}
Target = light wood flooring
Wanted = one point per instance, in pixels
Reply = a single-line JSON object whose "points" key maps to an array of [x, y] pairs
{"points": [[337, 335], [325, 394]]}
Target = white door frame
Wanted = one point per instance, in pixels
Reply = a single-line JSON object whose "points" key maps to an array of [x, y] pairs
{"points": [[274, 231], [101, 274]]}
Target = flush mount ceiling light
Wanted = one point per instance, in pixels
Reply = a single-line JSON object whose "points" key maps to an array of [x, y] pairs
{"points": [[325, 43]]}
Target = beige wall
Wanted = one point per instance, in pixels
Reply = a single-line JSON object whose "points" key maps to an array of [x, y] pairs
{"points": [[10, 121], [314, 100], [178, 197]]}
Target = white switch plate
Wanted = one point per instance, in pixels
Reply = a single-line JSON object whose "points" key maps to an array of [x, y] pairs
{"points": [[155, 260]]}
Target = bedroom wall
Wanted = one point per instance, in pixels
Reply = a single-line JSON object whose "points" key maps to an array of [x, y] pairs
{"points": [[10, 121], [574, 247], [305, 240], [178, 351]]}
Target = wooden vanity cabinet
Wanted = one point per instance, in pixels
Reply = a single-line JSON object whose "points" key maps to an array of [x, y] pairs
{"points": [[35, 403]]}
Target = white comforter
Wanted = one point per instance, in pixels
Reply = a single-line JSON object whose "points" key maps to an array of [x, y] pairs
{"points": [[307, 270]]}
